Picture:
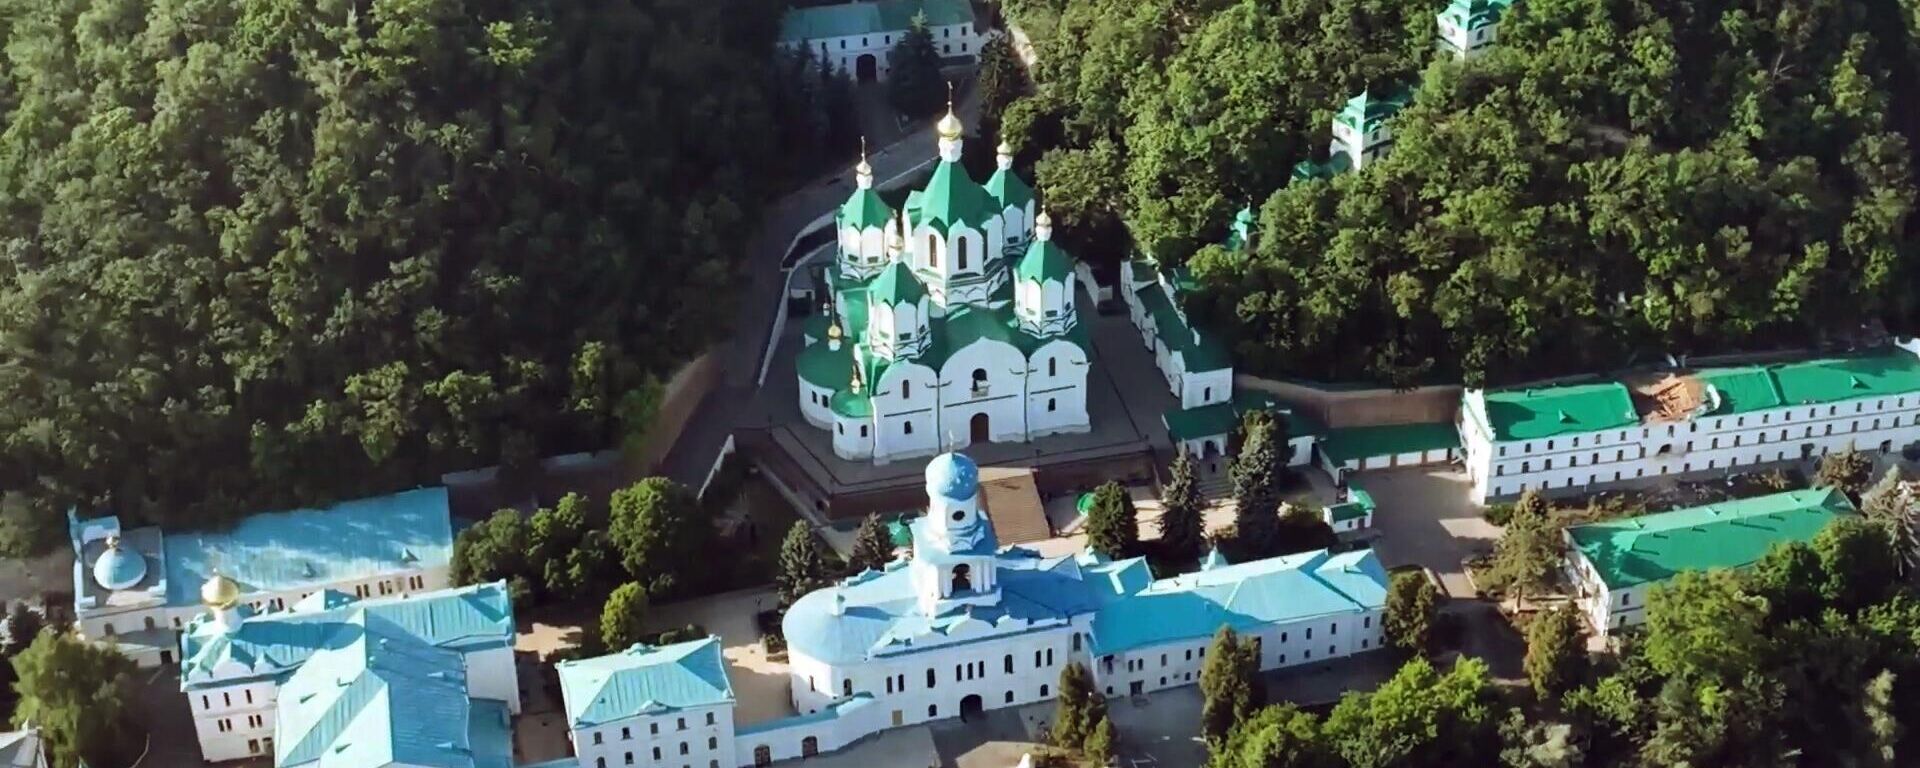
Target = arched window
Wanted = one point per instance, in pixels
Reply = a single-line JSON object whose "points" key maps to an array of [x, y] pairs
{"points": [[929, 679], [846, 687], [933, 251], [906, 389], [979, 380], [1053, 366], [960, 252], [962, 578], [1009, 668]]}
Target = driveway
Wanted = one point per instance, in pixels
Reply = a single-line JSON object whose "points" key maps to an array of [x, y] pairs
{"points": [[1424, 518]]}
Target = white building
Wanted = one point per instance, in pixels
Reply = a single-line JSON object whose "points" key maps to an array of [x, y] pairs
{"points": [[276, 682], [856, 37], [953, 323], [22, 749], [1581, 436], [1612, 565], [135, 588], [1470, 28], [655, 706]]}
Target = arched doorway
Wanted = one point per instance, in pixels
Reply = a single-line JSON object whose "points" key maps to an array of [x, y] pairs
{"points": [[978, 428], [809, 746], [962, 578], [866, 69], [763, 755], [971, 706]]}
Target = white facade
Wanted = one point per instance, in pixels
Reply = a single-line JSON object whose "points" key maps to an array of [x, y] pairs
{"points": [[698, 736], [864, 56], [1710, 441]]}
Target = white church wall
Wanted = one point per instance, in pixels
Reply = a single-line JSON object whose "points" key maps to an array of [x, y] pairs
{"points": [[1000, 398]]}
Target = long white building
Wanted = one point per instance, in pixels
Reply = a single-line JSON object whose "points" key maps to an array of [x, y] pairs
{"points": [[136, 588], [335, 678], [963, 626], [1575, 437], [856, 37]]}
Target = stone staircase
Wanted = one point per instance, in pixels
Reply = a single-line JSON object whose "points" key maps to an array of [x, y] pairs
{"points": [[1219, 486]]}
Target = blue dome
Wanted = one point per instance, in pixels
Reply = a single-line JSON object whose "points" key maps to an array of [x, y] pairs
{"points": [[118, 568], [952, 476]]}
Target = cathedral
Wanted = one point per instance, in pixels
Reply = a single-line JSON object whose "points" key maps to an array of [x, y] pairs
{"points": [[951, 321]]}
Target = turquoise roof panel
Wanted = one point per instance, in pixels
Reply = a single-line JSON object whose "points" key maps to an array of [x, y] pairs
{"points": [[896, 285], [308, 548], [1830, 380], [275, 643], [1282, 589], [645, 679]]}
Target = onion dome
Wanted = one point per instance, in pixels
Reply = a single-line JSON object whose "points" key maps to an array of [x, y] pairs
{"points": [[118, 568], [952, 476], [949, 126], [219, 592]]}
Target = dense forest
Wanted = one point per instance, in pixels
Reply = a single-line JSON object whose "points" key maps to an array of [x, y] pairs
{"points": [[1618, 178], [268, 252]]}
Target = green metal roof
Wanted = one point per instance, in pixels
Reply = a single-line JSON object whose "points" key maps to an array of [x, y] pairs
{"points": [[378, 695], [1347, 443], [1335, 164], [865, 18], [827, 368], [853, 406], [896, 285], [865, 210], [1893, 372], [1203, 355], [1045, 261], [1731, 534], [1008, 188], [644, 680], [1241, 233], [1365, 111], [1531, 414], [951, 197], [1742, 390], [1359, 504], [1215, 420]]}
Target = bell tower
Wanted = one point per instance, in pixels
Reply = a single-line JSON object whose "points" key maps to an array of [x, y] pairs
{"points": [[954, 545]]}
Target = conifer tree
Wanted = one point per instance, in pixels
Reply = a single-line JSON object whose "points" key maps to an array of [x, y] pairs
{"points": [[1412, 603], [1230, 687], [802, 567], [1556, 652], [913, 75], [872, 548], [1182, 525], [1073, 707], [1256, 489], [1113, 526], [1888, 503], [1528, 552]]}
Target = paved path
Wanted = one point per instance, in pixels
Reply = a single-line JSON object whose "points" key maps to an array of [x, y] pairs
{"points": [[1426, 519]]}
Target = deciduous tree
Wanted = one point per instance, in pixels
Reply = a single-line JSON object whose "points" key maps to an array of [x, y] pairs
{"points": [[1230, 687], [622, 616], [1419, 719], [1527, 556], [77, 693], [1280, 736], [1849, 471], [1412, 604], [1113, 525], [661, 533], [1556, 652]]}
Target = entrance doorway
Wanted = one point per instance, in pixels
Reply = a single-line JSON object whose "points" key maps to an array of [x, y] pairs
{"points": [[763, 755], [971, 707], [978, 428], [866, 69], [1137, 688]]}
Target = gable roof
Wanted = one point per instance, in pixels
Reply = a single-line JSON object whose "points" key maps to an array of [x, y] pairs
{"points": [[1836, 379], [1366, 110], [1193, 606], [1732, 534], [299, 549], [896, 285], [379, 698], [644, 679], [1344, 443], [863, 18], [277, 642]]}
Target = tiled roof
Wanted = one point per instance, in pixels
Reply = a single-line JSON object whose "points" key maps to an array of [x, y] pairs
{"points": [[862, 18], [276, 642], [290, 551], [1346, 443], [644, 679], [1730, 534], [1531, 414]]}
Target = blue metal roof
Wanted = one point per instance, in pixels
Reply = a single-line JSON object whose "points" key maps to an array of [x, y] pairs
{"points": [[119, 567], [381, 696], [275, 643], [290, 551], [952, 476], [1193, 606], [644, 679]]}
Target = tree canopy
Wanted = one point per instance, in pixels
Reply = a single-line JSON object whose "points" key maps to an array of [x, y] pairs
{"points": [[77, 693], [1615, 178], [264, 254], [1113, 525]]}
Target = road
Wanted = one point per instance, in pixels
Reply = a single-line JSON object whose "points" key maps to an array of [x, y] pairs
{"points": [[729, 404]]}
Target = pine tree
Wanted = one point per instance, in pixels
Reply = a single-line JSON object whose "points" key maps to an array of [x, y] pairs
{"points": [[1001, 80], [1528, 552], [914, 85], [1256, 489], [1888, 503], [1113, 526], [1230, 688], [1556, 652], [23, 625], [1182, 525], [872, 548], [802, 567], [1098, 749], [1071, 723]]}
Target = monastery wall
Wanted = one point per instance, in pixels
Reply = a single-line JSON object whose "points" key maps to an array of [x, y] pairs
{"points": [[1361, 407]]}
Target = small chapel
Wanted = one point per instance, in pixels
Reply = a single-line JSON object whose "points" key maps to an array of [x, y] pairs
{"points": [[950, 322]]}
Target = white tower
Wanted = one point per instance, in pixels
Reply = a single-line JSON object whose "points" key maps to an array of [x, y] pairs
{"points": [[1043, 284], [862, 222], [954, 545], [897, 313]]}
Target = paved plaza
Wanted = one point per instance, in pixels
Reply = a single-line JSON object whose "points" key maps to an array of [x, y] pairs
{"points": [[1424, 518]]}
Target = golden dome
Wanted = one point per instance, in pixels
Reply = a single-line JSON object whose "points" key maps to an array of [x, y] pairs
{"points": [[949, 126], [1004, 148], [219, 591], [833, 331], [863, 168], [1043, 220]]}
